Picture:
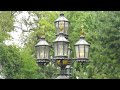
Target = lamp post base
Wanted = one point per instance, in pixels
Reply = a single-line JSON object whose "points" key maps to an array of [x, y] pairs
{"points": [[62, 77]]}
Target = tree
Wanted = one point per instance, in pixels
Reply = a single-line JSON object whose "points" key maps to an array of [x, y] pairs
{"points": [[6, 24], [16, 62], [102, 35]]}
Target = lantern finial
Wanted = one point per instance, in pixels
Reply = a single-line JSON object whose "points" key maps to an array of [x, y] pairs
{"points": [[82, 32], [61, 13], [43, 34]]}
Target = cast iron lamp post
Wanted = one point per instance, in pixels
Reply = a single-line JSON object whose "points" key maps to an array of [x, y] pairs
{"points": [[62, 49]]}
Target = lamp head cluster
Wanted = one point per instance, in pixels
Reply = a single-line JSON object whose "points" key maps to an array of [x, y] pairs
{"points": [[62, 50]]}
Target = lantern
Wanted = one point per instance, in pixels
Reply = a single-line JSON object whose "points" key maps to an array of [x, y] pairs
{"points": [[42, 51], [62, 25], [82, 49], [61, 47]]}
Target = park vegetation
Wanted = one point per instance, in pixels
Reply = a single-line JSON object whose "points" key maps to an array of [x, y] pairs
{"points": [[102, 31]]}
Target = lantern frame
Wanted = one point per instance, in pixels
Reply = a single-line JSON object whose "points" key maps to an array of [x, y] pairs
{"points": [[62, 25], [43, 51], [61, 43]]}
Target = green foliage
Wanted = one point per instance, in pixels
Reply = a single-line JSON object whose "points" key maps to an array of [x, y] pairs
{"points": [[49, 71], [29, 70], [6, 24], [18, 64], [102, 31], [10, 61]]}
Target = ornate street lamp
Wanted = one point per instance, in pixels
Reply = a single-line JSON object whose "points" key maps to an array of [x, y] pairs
{"points": [[62, 50], [62, 25], [43, 51]]}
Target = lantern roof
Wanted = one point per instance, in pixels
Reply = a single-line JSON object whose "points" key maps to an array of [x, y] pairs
{"points": [[82, 41], [61, 18], [61, 38], [42, 42]]}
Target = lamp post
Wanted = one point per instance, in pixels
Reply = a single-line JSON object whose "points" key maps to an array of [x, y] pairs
{"points": [[62, 50]]}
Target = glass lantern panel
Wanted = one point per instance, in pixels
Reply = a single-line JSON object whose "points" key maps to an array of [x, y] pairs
{"points": [[86, 51], [46, 52], [66, 24], [60, 48], [69, 52], [77, 53], [66, 27], [61, 26], [56, 24], [38, 52], [42, 49], [65, 49], [81, 48], [55, 49], [57, 27]]}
